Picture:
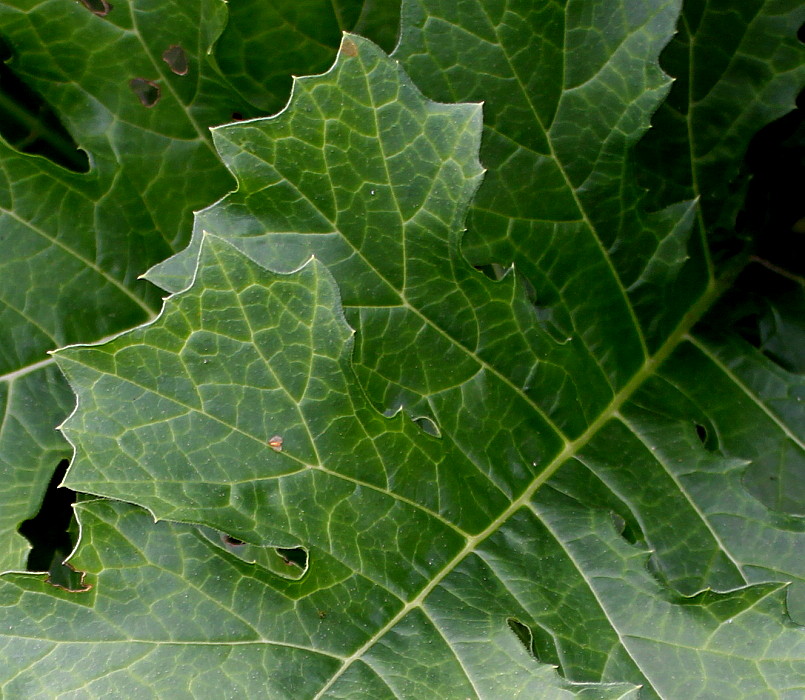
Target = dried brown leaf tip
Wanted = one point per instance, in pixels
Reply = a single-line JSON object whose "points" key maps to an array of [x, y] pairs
{"points": [[147, 92], [275, 443], [176, 59], [349, 47]]}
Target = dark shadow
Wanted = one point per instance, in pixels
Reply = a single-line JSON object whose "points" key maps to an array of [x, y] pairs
{"points": [[30, 125]]}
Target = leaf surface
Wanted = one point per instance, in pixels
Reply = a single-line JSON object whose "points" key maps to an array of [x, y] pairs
{"points": [[565, 483], [264, 44], [76, 242]]}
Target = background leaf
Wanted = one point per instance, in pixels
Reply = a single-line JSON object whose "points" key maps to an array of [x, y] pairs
{"points": [[300, 37]]}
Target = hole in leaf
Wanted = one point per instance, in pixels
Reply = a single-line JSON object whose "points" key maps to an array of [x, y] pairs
{"points": [[30, 125], [523, 633], [232, 541], [537, 642], [293, 557], [552, 315], [176, 59], [428, 426], [49, 534], [494, 271], [707, 436], [147, 92], [625, 529], [97, 7], [237, 116]]}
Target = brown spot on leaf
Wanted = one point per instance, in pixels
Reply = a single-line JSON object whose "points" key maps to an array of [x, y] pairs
{"points": [[275, 443], [97, 7], [176, 59], [349, 47], [147, 92]]}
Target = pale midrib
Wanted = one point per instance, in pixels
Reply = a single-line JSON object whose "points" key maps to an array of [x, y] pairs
{"points": [[29, 369], [647, 370], [171, 642]]}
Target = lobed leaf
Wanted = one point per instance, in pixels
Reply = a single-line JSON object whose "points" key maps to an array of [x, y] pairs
{"points": [[560, 477]]}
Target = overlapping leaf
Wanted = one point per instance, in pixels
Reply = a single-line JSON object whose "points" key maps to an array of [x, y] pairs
{"points": [[74, 244], [133, 85], [571, 438], [265, 43]]}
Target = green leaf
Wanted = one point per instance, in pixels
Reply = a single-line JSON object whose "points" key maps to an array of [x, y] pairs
{"points": [[76, 243], [737, 67], [605, 531], [487, 478], [190, 634], [265, 43], [568, 89], [349, 604]]}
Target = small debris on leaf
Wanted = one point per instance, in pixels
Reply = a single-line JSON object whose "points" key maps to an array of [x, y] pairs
{"points": [[275, 443]]}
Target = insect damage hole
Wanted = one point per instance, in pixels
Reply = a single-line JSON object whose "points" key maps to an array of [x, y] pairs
{"points": [[707, 436], [97, 7], [147, 92], [232, 541], [538, 642], [296, 556], [523, 633], [428, 426], [176, 59]]}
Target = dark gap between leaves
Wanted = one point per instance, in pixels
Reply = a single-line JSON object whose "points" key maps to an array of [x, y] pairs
{"points": [[49, 535], [30, 125]]}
